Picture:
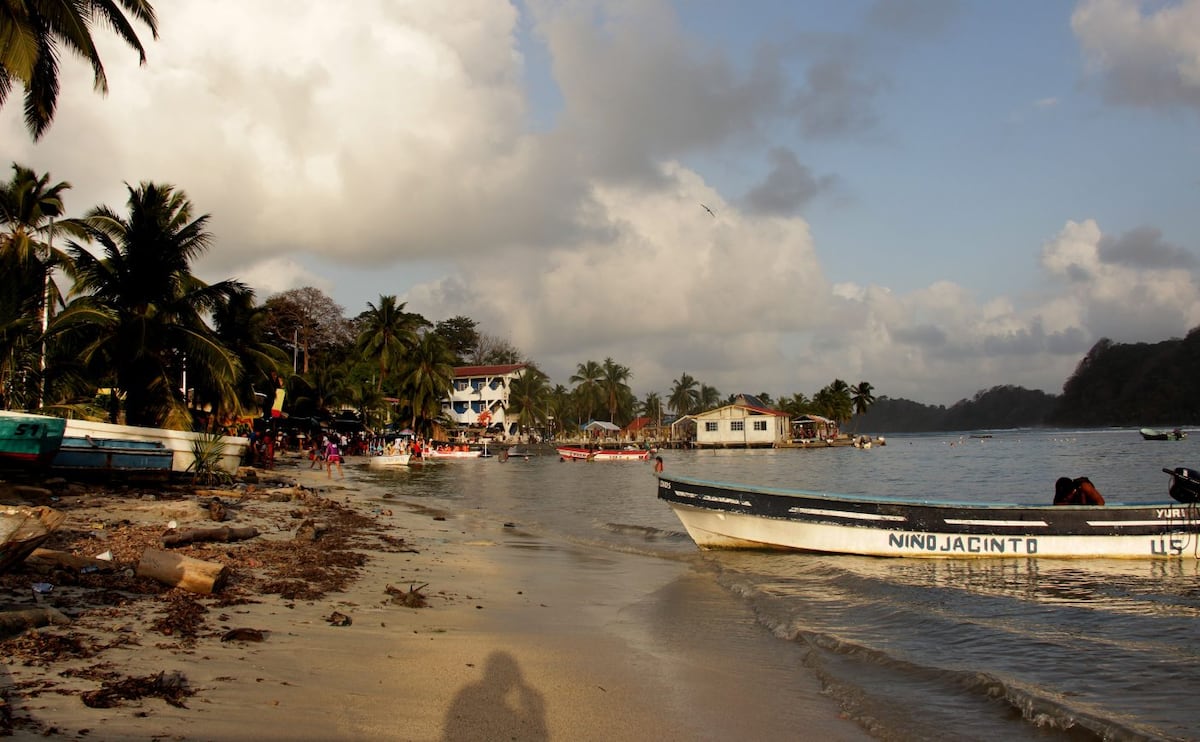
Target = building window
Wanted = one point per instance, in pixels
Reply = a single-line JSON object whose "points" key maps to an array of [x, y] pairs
{"points": [[737, 426], [710, 427], [760, 425]]}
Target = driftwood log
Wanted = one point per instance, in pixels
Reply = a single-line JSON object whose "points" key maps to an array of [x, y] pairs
{"points": [[176, 570], [310, 530], [67, 560], [224, 533], [14, 622]]}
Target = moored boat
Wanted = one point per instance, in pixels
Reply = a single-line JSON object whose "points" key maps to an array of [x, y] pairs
{"points": [[603, 454], [452, 453], [1150, 434], [23, 529], [723, 515], [29, 440], [386, 461]]}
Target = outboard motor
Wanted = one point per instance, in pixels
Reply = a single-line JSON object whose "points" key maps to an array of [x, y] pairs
{"points": [[1185, 484]]}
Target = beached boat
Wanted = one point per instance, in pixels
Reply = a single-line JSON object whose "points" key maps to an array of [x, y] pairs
{"points": [[1150, 434], [29, 440], [603, 454], [113, 458], [23, 529], [179, 442], [721, 515], [387, 461]]}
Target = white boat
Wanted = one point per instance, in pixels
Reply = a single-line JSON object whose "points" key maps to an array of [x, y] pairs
{"points": [[731, 516], [387, 461], [179, 442], [452, 454]]}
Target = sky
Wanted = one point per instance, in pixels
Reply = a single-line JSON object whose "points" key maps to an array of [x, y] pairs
{"points": [[932, 196]]}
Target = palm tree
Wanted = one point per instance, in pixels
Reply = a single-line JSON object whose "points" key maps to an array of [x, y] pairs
{"points": [[709, 397], [685, 395], [833, 401], [139, 312], [385, 335], [796, 405], [614, 386], [32, 32], [529, 397], [652, 407], [426, 380], [28, 208], [240, 326], [862, 397], [587, 380]]}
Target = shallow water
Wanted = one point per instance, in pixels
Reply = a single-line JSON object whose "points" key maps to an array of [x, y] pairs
{"points": [[952, 649]]}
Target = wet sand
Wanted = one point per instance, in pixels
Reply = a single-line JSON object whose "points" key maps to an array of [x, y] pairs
{"points": [[522, 638]]}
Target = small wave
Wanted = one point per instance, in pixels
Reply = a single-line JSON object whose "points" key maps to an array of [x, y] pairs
{"points": [[649, 533], [881, 692]]}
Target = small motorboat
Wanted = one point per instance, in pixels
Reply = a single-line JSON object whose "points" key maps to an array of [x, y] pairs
{"points": [[732, 516], [571, 453], [1150, 434]]}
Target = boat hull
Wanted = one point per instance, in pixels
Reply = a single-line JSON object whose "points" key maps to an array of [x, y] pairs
{"points": [[29, 440], [719, 515], [603, 454], [1150, 434], [179, 442], [389, 462], [113, 458], [452, 454]]}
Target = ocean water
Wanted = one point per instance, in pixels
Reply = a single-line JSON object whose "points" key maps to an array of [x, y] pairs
{"points": [[909, 649]]}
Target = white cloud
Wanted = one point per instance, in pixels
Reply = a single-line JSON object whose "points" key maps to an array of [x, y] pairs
{"points": [[398, 139], [1150, 59]]}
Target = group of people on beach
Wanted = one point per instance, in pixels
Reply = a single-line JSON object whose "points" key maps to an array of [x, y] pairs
{"points": [[327, 453]]}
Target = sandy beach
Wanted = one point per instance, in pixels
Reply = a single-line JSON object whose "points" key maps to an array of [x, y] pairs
{"points": [[519, 637]]}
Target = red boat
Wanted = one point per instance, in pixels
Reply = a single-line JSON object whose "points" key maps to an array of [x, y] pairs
{"points": [[603, 454]]}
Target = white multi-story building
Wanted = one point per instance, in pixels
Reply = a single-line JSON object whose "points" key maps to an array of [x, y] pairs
{"points": [[480, 396]]}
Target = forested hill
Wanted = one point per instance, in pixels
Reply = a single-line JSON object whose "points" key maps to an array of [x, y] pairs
{"points": [[1135, 384], [998, 407]]}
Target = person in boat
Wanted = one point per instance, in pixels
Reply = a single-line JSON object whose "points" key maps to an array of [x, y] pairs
{"points": [[1078, 491], [658, 464]]}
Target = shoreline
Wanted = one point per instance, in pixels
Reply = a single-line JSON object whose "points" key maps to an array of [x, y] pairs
{"points": [[523, 637]]}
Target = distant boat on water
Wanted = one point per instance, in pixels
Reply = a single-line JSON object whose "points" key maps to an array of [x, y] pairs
{"points": [[1150, 434], [603, 454]]}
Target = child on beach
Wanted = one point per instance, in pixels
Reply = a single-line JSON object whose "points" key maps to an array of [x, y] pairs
{"points": [[333, 455]]}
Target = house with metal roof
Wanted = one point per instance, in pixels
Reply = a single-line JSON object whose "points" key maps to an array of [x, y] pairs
{"points": [[742, 426]]}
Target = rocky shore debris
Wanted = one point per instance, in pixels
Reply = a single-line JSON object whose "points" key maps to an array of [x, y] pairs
{"points": [[115, 577], [411, 598]]}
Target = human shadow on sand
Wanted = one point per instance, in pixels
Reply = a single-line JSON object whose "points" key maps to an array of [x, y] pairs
{"points": [[500, 706]]}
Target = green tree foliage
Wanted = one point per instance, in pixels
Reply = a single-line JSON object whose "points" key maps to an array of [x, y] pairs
{"points": [[685, 395], [529, 398], [1134, 384], [461, 335], [588, 380], [385, 334], [34, 33], [139, 312]]}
